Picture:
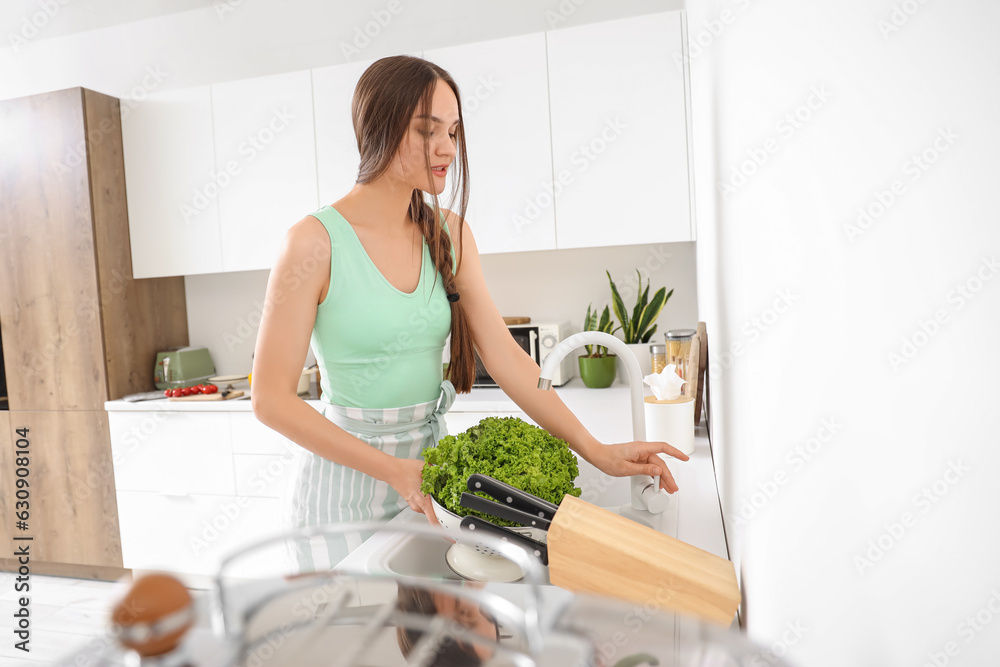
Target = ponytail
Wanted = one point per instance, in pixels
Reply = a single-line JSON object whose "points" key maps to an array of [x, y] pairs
{"points": [[462, 365]]}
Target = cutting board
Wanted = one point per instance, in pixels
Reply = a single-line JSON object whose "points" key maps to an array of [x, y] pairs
{"points": [[702, 370], [217, 396], [516, 320], [596, 551]]}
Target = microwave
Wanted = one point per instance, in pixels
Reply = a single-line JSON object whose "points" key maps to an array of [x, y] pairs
{"points": [[538, 340]]}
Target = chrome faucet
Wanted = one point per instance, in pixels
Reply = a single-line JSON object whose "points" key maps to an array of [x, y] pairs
{"points": [[646, 492]]}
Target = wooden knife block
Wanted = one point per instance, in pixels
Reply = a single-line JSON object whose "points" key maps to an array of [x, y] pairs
{"points": [[596, 551]]}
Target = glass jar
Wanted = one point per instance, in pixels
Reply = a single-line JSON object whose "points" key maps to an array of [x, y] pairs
{"points": [[678, 350], [658, 356]]}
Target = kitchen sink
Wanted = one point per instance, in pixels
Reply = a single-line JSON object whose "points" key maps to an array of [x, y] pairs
{"points": [[419, 556]]}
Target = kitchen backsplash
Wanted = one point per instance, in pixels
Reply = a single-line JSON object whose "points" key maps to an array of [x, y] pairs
{"points": [[224, 309]]}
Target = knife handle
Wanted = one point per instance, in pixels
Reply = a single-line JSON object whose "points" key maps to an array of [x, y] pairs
{"points": [[474, 524], [502, 511], [512, 496]]}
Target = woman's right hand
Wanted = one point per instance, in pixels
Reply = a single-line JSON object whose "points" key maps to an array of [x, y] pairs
{"points": [[405, 478]]}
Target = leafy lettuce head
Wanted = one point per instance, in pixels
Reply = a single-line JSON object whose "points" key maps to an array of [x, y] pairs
{"points": [[505, 448]]}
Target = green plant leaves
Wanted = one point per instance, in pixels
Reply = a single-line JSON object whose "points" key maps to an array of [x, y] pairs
{"points": [[651, 312], [619, 306], [605, 325], [640, 327]]}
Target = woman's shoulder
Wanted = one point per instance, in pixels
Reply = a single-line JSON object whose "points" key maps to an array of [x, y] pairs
{"points": [[452, 221], [304, 237]]}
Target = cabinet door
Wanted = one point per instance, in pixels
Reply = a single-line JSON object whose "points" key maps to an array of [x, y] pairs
{"points": [[504, 89], [619, 132], [172, 186], [337, 155], [72, 512], [264, 142], [172, 452], [191, 533], [50, 297]]}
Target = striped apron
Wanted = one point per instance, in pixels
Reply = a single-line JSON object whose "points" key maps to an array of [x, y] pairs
{"points": [[322, 491]]}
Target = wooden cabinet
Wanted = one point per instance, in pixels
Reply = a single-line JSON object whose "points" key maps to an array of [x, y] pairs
{"points": [[73, 514], [78, 330], [173, 185], [619, 132], [505, 106], [263, 131]]}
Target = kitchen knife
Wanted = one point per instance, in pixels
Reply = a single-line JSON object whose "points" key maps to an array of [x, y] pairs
{"points": [[474, 524], [502, 511], [512, 496]]}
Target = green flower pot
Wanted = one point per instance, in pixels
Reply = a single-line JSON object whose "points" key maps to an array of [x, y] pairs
{"points": [[598, 372]]}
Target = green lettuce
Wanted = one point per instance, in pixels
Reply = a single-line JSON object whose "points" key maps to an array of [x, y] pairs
{"points": [[508, 449]]}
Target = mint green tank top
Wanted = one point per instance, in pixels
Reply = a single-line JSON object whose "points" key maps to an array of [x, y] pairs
{"points": [[377, 346]]}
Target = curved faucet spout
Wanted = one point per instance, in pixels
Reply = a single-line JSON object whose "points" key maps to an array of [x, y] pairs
{"points": [[646, 494]]}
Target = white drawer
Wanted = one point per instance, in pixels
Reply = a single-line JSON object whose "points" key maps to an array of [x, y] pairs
{"points": [[172, 452], [263, 475], [191, 533], [252, 437]]}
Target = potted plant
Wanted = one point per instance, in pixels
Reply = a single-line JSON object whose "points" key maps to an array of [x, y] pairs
{"points": [[639, 329], [597, 367]]}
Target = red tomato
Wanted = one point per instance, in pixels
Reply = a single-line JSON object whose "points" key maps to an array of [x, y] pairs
{"points": [[185, 391], [203, 389], [212, 389], [166, 392], [175, 392]]}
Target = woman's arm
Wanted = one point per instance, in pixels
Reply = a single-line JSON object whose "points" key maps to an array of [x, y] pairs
{"points": [[282, 343], [517, 374]]}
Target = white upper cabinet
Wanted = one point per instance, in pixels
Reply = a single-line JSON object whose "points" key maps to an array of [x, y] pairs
{"points": [[337, 156], [264, 142], [619, 132], [171, 184], [577, 137], [504, 89]]}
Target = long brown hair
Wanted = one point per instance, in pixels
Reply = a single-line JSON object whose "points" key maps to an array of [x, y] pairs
{"points": [[448, 653], [386, 96]]}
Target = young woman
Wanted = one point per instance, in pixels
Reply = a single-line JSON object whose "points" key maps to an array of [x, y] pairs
{"points": [[374, 283]]}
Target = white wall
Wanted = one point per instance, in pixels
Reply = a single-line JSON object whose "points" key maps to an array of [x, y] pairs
{"points": [[234, 39], [843, 560]]}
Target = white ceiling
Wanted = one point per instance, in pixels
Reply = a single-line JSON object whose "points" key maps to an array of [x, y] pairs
{"points": [[71, 16]]}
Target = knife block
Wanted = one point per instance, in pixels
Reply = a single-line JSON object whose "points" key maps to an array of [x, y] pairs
{"points": [[593, 550]]}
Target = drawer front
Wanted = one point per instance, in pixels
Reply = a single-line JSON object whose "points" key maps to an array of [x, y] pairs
{"points": [[190, 534], [172, 452], [264, 475], [252, 437]]}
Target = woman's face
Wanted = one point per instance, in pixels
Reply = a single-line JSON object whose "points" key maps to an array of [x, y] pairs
{"points": [[439, 132], [468, 615]]}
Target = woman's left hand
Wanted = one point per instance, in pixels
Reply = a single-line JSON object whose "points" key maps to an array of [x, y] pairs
{"points": [[637, 458]]}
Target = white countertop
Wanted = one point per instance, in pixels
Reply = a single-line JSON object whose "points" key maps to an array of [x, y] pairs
{"points": [[480, 399]]}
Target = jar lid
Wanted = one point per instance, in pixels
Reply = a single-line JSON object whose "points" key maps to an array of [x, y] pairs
{"points": [[680, 334], [657, 348]]}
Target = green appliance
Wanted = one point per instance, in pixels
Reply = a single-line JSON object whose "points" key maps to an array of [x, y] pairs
{"points": [[182, 367]]}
